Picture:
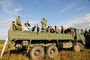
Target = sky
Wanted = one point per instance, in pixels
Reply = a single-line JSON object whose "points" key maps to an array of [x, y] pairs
{"points": [[69, 13]]}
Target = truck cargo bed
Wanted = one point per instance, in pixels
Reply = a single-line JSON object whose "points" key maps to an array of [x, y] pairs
{"points": [[20, 35]]}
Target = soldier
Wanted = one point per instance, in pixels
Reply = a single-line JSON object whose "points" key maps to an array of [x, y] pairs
{"points": [[13, 25], [44, 24], [18, 24], [57, 30]]}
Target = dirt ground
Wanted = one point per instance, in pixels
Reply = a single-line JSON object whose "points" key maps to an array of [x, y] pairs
{"points": [[64, 54]]}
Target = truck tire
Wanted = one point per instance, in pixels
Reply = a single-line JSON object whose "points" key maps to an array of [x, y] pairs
{"points": [[52, 51], [36, 52], [78, 47]]}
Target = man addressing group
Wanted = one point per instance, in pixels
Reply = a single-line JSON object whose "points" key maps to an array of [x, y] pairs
{"points": [[44, 24], [18, 24]]}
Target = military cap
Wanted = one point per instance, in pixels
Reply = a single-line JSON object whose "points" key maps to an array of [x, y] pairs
{"points": [[13, 21]]}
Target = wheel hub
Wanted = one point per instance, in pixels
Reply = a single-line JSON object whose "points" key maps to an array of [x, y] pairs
{"points": [[37, 53], [77, 47], [52, 51]]}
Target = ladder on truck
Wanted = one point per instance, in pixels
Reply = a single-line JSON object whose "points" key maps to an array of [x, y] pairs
{"points": [[4, 48]]}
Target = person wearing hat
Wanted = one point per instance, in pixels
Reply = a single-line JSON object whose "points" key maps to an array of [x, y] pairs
{"points": [[44, 24], [18, 24]]}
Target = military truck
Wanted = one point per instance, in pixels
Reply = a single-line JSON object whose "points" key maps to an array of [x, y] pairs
{"points": [[37, 44]]}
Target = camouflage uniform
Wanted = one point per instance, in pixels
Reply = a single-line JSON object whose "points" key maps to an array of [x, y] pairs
{"points": [[44, 24], [57, 31], [13, 27], [18, 25]]}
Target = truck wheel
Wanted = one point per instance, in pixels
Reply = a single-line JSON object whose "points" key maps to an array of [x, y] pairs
{"points": [[36, 52], [78, 47], [52, 51]]}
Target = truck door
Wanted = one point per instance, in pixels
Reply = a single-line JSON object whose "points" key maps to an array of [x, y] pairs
{"points": [[78, 34], [75, 34]]}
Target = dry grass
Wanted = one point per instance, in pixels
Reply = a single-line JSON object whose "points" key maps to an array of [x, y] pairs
{"points": [[62, 55]]}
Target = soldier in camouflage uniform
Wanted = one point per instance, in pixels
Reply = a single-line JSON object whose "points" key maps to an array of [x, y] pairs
{"points": [[13, 26], [18, 24], [44, 24], [57, 30]]}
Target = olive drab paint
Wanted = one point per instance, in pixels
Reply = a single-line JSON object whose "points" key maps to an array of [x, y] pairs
{"points": [[28, 40], [21, 35], [57, 31], [13, 27], [44, 23]]}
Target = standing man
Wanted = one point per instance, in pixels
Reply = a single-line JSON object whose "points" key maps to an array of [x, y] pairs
{"points": [[44, 24], [18, 24]]}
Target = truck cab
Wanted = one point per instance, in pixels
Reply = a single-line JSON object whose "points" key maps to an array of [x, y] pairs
{"points": [[79, 39]]}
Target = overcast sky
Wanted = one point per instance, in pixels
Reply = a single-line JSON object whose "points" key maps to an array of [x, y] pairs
{"points": [[69, 13]]}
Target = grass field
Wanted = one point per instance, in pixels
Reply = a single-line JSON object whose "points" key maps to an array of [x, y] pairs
{"points": [[62, 55]]}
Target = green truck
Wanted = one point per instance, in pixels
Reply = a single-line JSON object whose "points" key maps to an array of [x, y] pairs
{"points": [[37, 44]]}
